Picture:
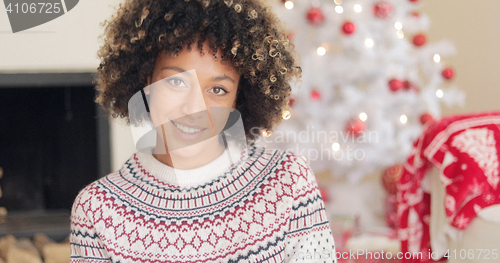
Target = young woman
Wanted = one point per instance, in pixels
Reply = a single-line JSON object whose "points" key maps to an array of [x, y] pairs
{"points": [[198, 195]]}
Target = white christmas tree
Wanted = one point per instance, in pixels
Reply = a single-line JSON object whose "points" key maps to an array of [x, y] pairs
{"points": [[370, 81]]}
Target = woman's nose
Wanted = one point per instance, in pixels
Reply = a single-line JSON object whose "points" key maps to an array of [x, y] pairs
{"points": [[194, 102]]}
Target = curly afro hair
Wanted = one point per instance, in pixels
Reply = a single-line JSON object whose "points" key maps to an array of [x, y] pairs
{"points": [[249, 36]]}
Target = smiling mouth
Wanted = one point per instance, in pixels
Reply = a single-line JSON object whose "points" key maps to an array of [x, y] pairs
{"points": [[187, 129]]}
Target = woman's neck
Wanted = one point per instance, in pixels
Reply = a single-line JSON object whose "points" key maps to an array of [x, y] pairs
{"points": [[179, 161]]}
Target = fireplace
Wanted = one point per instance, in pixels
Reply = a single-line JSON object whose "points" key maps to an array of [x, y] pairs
{"points": [[54, 140]]}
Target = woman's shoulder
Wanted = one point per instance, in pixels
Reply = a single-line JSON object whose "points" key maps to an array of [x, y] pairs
{"points": [[290, 159], [290, 168], [94, 190]]}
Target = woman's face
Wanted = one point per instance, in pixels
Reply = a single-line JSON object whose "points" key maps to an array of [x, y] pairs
{"points": [[190, 98]]}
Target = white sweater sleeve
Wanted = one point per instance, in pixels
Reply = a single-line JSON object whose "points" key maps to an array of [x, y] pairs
{"points": [[86, 246], [309, 238]]}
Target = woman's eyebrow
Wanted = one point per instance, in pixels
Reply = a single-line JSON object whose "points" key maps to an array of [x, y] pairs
{"points": [[181, 70], [218, 78], [223, 77]]}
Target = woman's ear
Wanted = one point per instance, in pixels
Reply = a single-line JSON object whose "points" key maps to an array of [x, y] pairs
{"points": [[147, 90], [234, 105]]}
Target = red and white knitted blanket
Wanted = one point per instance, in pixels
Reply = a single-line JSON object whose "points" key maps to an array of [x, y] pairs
{"points": [[466, 149]]}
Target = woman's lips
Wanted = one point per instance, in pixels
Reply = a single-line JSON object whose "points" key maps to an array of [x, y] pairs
{"points": [[187, 133], [188, 128]]}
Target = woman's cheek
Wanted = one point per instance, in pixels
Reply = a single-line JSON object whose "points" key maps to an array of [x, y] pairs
{"points": [[159, 109]]}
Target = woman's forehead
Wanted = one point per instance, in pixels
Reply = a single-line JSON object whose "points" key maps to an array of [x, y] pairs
{"points": [[194, 59]]}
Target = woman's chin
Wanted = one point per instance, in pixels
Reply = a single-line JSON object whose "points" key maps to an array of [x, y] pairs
{"points": [[197, 151]]}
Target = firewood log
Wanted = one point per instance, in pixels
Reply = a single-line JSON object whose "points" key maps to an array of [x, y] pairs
{"points": [[23, 251], [57, 253], [5, 245], [41, 240]]}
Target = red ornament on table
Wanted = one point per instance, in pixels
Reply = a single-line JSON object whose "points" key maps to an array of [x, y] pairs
{"points": [[395, 85], [291, 102], [414, 1], [426, 117], [315, 95], [355, 127], [390, 178], [448, 73], [419, 40], [315, 16], [408, 85], [416, 14], [348, 28], [382, 9]]}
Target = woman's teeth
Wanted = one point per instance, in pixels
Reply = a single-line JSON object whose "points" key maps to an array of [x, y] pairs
{"points": [[186, 129]]}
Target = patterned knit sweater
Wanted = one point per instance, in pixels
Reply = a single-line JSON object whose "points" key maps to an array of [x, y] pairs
{"points": [[267, 208]]}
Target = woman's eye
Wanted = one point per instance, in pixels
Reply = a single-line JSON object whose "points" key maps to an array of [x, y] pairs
{"points": [[176, 82], [218, 91]]}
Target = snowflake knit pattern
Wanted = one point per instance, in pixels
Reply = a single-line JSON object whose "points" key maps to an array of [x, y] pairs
{"points": [[465, 149], [267, 208]]}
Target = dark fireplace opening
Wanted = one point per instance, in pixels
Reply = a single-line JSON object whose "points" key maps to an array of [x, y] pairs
{"points": [[54, 141]]}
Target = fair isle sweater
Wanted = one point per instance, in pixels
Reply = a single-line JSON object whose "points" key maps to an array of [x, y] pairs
{"points": [[267, 208]]}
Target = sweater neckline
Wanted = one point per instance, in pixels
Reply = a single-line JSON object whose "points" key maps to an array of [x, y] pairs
{"points": [[229, 158]]}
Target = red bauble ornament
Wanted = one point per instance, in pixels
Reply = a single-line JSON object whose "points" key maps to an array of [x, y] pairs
{"points": [[382, 9], [324, 194], [355, 127], [390, 178], [291, 102], [408, 85], [348, 28], [315, 95], [414, 1], [419, 40], [395, 85], [416, 14], [426, 117], [448, 73], [315, 16]]}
